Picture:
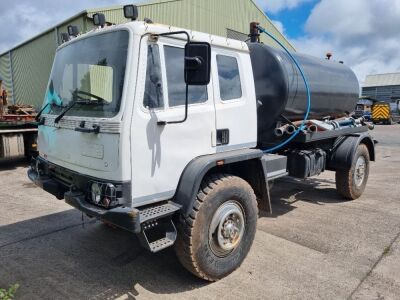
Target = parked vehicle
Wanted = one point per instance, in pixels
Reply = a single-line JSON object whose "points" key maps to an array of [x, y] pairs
{"points": [[381, 113], [395, 110], [175, 135], [18, 129], [363, 109]]}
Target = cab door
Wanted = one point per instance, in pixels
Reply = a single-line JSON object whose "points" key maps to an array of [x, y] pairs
{"points": [[235, 99], [161, 152]]}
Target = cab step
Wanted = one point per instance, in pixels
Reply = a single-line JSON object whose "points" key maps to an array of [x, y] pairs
{"points": [[158, 231], [159, 211], [161, 244]]}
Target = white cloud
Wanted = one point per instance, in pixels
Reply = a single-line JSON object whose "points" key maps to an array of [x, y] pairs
{"points": [[278, 26], [364, 34], [275, 6]]}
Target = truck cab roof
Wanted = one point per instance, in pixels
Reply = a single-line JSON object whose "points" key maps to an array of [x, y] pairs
{"points": [[143, 28]]}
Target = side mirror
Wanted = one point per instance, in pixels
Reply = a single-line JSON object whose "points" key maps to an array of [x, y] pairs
{"points": [[197, 63]]}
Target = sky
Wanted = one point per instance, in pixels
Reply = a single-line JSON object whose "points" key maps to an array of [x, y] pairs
{"points": [[362, 33]]}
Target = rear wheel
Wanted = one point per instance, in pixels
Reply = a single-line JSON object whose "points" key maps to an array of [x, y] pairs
{"points": [[351, 182], [217, 235]]}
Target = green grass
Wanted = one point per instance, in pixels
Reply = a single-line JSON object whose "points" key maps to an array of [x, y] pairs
{"points": [[8, 294]]}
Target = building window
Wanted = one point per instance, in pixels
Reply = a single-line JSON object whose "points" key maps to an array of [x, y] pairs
{"points": [[153, 93], [236, 35], [174, 62], [229, 78]]}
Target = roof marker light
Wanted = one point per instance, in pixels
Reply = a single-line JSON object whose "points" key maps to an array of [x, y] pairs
{"points": [[131, 12], [64, 37], [99, 19], [73, 30]]}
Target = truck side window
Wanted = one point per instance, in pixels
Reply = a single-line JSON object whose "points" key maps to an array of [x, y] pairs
{"points": [[174, 62], [153, 93], [229, 77]]}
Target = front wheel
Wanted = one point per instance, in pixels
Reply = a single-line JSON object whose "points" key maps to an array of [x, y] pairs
{"points": [[217, 235], [351, 182]]}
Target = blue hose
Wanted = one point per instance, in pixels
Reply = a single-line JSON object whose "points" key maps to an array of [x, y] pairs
{"points": [[277, 147]]}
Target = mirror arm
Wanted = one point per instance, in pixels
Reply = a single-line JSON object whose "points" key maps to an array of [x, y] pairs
{"points": [[163, 123], [186, 111]]}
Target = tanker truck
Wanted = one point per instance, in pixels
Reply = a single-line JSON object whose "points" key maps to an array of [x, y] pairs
{"points": [[175, 135]]}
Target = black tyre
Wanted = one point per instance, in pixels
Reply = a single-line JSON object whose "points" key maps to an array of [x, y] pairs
{"points": [[215, 239], [351, 182]]}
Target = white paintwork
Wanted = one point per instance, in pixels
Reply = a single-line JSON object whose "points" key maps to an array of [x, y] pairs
{"points": [[160, 153], [238, 115], [137, 149]]}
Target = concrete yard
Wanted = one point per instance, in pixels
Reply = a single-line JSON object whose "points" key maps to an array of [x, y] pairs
{"points": [[314, 246]]}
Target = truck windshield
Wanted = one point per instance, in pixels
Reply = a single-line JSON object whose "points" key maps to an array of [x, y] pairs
{"points": [[89, 71]]}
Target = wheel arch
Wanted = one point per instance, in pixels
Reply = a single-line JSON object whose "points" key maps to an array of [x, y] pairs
{"points": [[245, 164], [345, 148]]}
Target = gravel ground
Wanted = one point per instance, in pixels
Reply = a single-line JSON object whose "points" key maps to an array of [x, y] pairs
{"points": [[314, 246]]}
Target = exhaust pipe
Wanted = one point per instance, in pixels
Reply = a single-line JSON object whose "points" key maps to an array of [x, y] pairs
{"points": [[279, 132], [312, 128], [290, 129]]}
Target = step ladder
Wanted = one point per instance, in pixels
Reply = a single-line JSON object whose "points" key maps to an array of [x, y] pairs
{"points": [[158, 231]]}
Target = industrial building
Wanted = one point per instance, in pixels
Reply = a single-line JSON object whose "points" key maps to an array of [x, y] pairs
{"points": [[26, 67], [382, 87]]}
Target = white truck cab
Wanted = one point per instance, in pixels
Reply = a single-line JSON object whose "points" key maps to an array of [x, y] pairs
{"points": [[154, 129], [142, 81]]}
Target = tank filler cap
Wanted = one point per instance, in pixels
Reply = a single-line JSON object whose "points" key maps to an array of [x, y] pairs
{"points": [[329, 55], [254, 32]]}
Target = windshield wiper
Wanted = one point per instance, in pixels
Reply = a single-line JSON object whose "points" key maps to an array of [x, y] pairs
{"points": [[98, 98], [62, 114], [37, 118], [71, 105], [81, 101]]}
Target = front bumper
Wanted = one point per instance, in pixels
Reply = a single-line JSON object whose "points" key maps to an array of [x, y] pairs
{"points": [[124, 217], [48, 184]]}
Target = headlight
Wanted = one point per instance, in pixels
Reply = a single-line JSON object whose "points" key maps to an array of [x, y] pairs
{"points": [[103, 194], [95, 192]]}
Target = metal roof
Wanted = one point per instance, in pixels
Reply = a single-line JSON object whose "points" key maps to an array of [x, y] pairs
{"points": [[91, 11], [388, 79]]}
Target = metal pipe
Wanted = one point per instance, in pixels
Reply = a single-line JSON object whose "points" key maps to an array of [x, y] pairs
{"points": [[312, 128], [290, 129], [279, 132]]}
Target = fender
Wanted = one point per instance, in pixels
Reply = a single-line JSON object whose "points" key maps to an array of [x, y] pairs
{"points": [[195, 171], [345, 148]]}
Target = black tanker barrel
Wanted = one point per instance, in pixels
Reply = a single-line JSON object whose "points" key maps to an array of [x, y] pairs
{"points": [[280, 89]]}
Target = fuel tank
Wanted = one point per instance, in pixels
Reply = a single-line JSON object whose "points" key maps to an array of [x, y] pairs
{"points": [[280, 89]]}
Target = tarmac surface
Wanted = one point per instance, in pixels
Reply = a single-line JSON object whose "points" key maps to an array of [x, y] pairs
{"points": [[313, 246]]}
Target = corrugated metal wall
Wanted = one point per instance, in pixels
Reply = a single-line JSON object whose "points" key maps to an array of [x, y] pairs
{"points": [[210, 16], [382, 93], [32, 65], [32, 60], [5, 73]]}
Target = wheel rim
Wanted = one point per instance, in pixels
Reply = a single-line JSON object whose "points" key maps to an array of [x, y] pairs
{"points": [[359, 171], [227, 228]]}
